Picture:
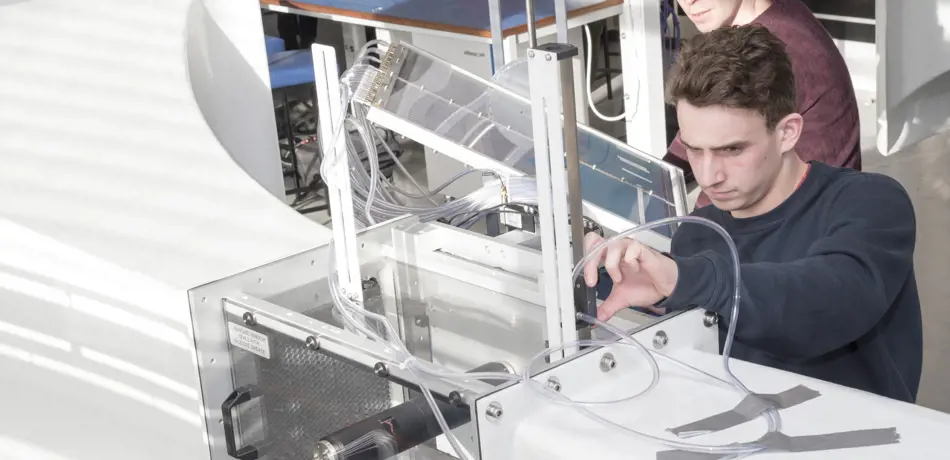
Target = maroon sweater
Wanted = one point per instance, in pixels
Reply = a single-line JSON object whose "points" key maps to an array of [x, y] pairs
{"points": [[825, 95]]}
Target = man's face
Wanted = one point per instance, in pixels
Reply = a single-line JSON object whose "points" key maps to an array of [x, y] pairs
{"points": [[710, 14], [734, 156]]}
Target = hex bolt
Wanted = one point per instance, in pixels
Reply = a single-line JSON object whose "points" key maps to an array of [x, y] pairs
{"points": [[530, 54], [660, 340], [313, 343], [710, 319], [547, 57], [494, 411], [554, 384], [607, 363], [249, 319]]}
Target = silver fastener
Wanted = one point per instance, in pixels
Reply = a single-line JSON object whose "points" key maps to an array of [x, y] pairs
{"points": [[710, 319], [249, 319], [530, 54], [607, 363], [313, 343], [324, 451], [660, 340], [494, 411], [554, 384]]}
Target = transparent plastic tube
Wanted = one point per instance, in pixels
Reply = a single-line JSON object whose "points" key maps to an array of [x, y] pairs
{"points": [[417, 367], [377, 207], [737, 276], [771, 415], [410, 363], [544, 391], [733, 449]]}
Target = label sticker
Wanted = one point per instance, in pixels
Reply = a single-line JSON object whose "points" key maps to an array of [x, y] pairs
{"points": [[249, 340]]}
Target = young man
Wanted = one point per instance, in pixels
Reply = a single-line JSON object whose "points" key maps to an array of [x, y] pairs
{"points": [[827, 277], [825, 96]]}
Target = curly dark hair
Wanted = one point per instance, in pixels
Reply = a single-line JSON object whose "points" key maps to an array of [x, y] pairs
{"points": [[744, 67]]}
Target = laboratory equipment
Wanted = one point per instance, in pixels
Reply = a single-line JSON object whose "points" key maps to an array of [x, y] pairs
{"points": [[200, 318]]}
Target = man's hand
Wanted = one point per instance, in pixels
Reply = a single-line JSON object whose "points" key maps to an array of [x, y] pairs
{"points": [[641, 276]]}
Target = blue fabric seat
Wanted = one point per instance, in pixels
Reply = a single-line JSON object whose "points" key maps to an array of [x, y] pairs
{"points": [[273, 45], [291, 68]]}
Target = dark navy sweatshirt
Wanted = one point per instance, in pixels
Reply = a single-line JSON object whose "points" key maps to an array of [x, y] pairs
{"points": [[828, 287]]}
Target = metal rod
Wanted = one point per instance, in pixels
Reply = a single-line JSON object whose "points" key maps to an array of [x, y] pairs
{"points": [[532, 25], [575, 202], [560, 18], [497, 35]]}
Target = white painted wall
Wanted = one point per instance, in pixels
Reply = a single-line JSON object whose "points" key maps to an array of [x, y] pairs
{"points": [[914, 71], [117, 195]]}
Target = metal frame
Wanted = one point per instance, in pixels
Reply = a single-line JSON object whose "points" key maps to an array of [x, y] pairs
{"points": [[340, 199], [550, 74], [497, 34], [641, 44]]}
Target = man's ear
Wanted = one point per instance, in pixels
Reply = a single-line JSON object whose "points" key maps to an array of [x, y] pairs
{"points": [[789, 130]]}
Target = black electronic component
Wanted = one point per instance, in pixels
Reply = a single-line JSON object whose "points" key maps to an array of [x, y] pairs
{"points": [[400, 428]]}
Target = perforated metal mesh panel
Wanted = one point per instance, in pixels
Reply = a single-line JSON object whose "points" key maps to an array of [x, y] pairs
{"points": [[306, 395], [496, 122]]}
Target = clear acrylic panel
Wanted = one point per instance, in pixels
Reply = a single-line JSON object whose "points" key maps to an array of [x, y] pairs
{"points": [[493, 119], [303, 394]]}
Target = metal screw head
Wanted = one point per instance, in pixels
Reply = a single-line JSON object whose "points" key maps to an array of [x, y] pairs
{"points": [[626, 96], [607, 363], [710, 319], [324, 451], [660, 340], [547, 57], [313, 343], [494, 411], [455, 399], [380, 370], [421, 321], [249, 319], [554, 384], [530, 54], [623, 35]]}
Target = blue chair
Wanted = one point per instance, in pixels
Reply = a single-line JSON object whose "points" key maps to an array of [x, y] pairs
{"points": [[289, 69], [273, 45]]}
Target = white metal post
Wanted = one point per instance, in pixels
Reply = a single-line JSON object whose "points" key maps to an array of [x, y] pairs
{"points": [[560, 20], [497, 34], [549, 70], [340, 199], [354, 39], [641, 54]]}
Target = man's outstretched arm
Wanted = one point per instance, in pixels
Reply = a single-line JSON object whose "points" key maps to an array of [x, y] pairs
{"points": [[832, 296]]}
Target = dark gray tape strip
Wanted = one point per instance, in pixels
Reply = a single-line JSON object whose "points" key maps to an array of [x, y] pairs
{"points": [[747, 410], [686, 455], [778, 442], [831, 441]]}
